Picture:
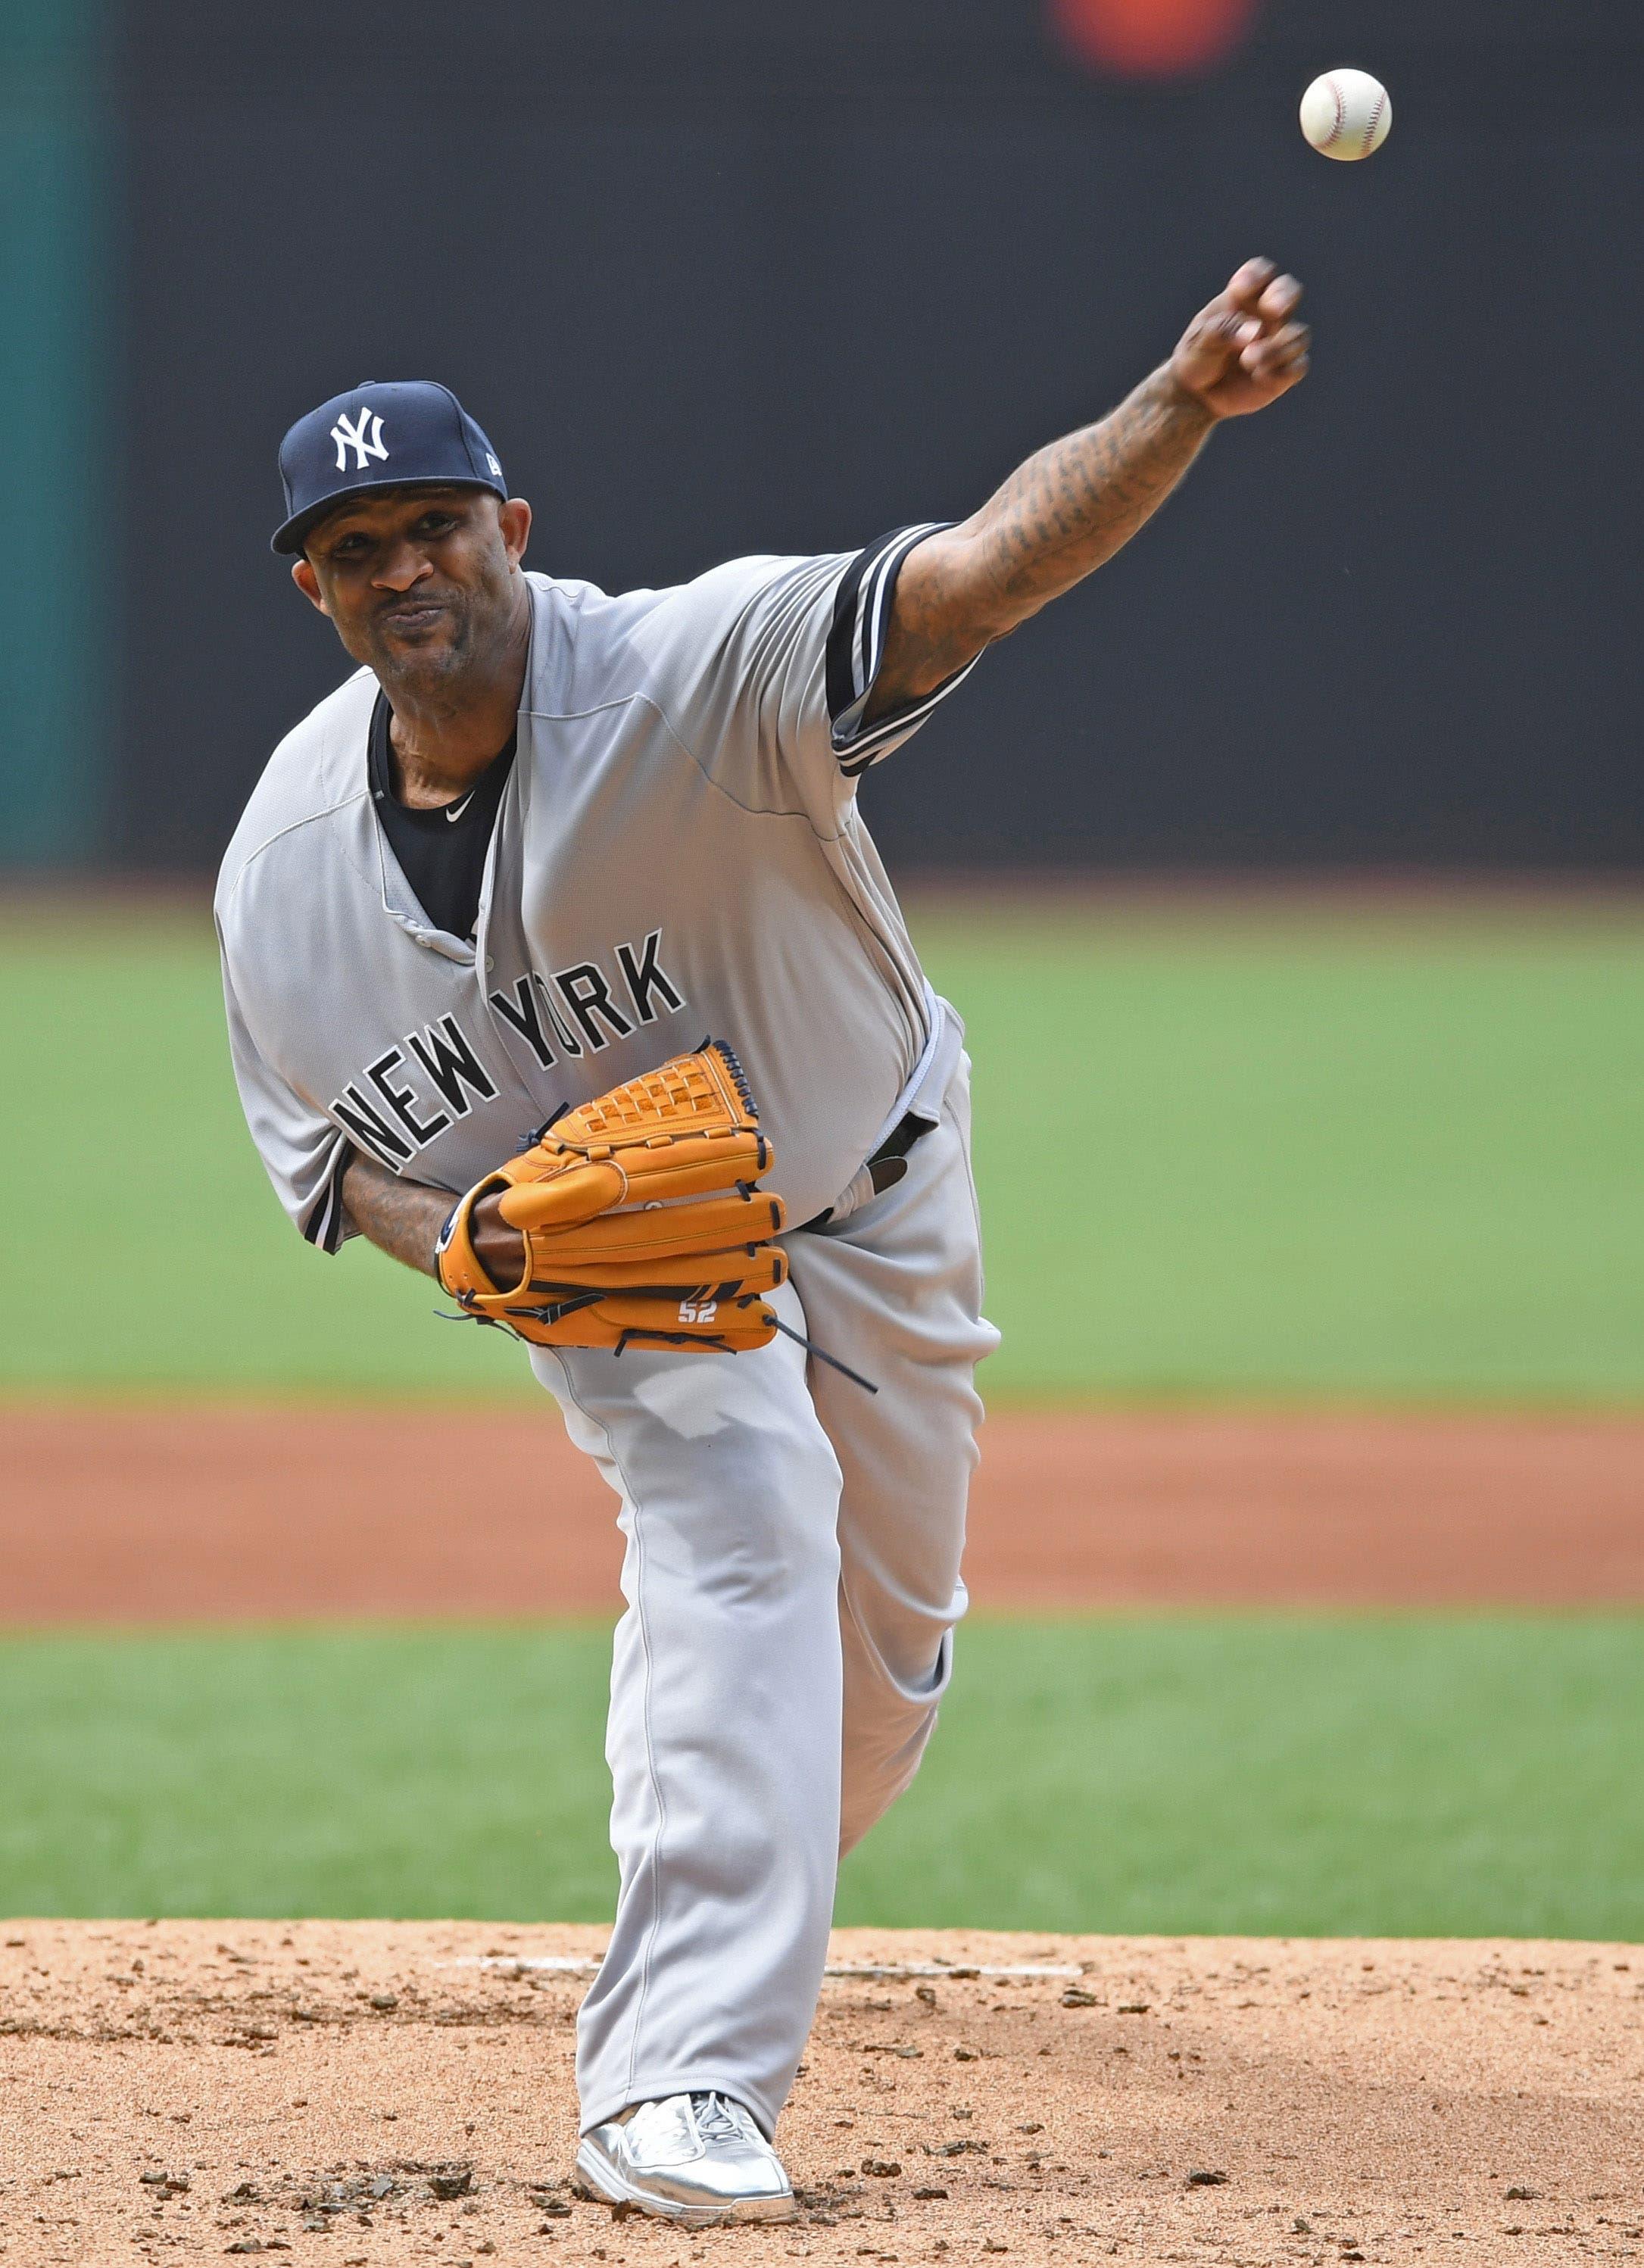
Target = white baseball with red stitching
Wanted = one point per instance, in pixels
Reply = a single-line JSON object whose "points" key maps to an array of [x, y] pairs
{"points": [[1346, 114]]}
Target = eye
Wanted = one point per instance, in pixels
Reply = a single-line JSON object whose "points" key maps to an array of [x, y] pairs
{"points": [[436, 523], [348, 547]]}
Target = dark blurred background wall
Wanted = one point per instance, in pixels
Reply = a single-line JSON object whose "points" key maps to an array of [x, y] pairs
{"points": [[740, 275]]}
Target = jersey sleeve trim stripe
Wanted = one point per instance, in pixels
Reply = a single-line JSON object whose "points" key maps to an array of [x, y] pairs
{"points": [[325, 1225], [856, 647], [860, 754], [855, 642]]}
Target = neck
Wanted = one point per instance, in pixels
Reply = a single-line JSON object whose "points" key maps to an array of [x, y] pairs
{"points": [[443, 734]]}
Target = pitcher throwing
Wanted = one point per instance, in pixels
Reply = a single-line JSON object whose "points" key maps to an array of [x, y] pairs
{"points": [[540, 845]]}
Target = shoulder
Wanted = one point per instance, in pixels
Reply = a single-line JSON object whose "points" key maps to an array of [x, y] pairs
{"points": [[650, 640], [621, 634], [591, 647], [317, 769], [726, 595]]}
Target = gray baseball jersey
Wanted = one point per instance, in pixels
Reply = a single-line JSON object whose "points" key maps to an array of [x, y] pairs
{"points": [[678, 852]]}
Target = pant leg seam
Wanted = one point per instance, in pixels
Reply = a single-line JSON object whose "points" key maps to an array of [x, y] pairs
{"points": [[655, 1923], [894, 1720]]}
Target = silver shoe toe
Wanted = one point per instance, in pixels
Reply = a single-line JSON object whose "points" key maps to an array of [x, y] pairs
{"points": [[692, 2158]]}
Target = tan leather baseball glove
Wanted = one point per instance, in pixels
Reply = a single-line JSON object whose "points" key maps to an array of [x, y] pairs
{"points": [[641, 1219]]}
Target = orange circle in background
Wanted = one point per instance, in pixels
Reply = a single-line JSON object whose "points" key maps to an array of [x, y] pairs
{"points": [[1152, 39]]}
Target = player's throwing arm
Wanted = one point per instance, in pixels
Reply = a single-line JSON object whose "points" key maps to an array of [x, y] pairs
{"points": [[454, 907], [1071, 507], [1058, 518]]}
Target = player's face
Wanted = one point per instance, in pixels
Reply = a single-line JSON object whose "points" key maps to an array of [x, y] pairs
{"points": [[420, 582]]}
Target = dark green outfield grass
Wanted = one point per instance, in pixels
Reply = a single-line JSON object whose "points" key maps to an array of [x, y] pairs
{"points": [[1297, 1155], [1292, 1775]]}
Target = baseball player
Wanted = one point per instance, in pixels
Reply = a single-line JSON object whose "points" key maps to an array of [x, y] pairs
{"points": [[541, 842]]}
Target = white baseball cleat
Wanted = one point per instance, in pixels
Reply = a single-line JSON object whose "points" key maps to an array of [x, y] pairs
{"points": [[692, 2158]]}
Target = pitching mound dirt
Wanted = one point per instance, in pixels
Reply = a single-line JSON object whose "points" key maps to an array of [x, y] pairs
{"points": [[365, 2094]]}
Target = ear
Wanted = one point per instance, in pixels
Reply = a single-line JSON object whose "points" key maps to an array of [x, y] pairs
{"points": [[515, 518], [308, 583]]}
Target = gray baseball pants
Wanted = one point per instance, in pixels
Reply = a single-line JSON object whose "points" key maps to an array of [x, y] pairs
{"points": [[792, 1575]]}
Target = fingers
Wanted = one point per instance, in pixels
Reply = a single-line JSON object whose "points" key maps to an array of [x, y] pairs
{"points": [[1279, 300], [761, 1270], [1259, 295], [1273, 346], [705, 1225], [1212, 344], [1247, 346], [565, 1201], [1247, 284], [1279, 354], [1258, 304]]}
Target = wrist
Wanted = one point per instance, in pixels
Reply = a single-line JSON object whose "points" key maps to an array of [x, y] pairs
{"points": [[442, 1240], [1182, 400]]}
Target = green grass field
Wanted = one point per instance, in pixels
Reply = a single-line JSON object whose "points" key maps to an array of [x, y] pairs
{"points": [[1293, 1776], [1376, 1156], [1292, 1155]]}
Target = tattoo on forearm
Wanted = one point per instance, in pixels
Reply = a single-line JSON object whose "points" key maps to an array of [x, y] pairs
{"points": [[1074, 504], [1061, 514], [402, 1218]]}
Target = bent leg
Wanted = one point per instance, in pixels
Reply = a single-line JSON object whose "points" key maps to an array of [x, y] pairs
{"points": [[896, 1290], [723, 1732]]}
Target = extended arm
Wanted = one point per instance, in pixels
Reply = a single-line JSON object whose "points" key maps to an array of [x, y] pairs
{"points": [[404, 1218], [1074, 505]]}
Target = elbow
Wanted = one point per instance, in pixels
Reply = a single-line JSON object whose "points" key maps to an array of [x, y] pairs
{"points": [[990, 595]]}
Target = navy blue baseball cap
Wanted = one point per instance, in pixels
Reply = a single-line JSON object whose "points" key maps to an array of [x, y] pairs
{"points": [[379, 436]]}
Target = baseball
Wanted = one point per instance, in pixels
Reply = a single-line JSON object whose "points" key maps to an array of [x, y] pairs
{"points": [[1346, 114]]}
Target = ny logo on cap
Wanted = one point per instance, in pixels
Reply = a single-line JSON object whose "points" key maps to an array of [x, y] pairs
{"points": [[364, 435]]}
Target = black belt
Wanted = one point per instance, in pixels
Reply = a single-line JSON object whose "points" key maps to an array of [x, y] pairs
{"points": [[892, 1151]]}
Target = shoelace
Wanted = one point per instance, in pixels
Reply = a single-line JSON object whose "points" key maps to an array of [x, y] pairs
{"points": [[719, 2119]]}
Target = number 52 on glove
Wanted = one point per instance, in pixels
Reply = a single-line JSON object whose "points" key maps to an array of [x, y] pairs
{"points": [[642, 1222]]}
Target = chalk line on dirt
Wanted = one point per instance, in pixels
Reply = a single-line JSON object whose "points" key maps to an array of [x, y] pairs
{"points": [[894, 1972]]}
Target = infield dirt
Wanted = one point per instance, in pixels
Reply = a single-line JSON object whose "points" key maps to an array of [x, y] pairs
{"points": [[176, 1515], [366, 2094]]}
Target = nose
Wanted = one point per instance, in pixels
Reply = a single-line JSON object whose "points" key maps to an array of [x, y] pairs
{"points": [[401, 566]]}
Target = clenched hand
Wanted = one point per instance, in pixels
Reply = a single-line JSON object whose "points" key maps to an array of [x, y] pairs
{"points": [[1244, 350]]}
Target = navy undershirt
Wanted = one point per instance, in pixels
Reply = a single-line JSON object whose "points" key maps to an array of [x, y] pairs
{"points": [[442, 851]]}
